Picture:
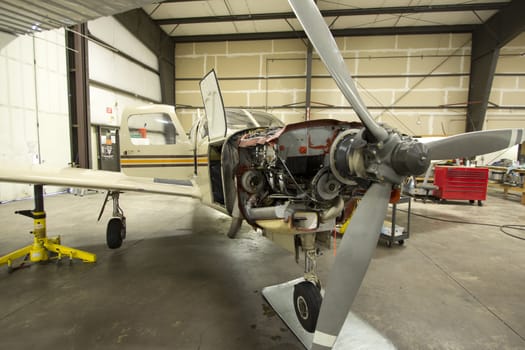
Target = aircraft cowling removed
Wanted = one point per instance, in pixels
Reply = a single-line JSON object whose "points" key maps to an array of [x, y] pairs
{"points": [[294, 179], [382, 156]]}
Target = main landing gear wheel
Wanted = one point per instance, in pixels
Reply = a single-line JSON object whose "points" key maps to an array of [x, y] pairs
{"points": [[115, 233], [116, 229], [307, 303]]}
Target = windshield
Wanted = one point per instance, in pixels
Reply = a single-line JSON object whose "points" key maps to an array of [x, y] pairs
{"points": [[238, 119]]}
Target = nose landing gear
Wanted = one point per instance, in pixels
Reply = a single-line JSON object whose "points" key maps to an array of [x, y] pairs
{"points": [[307, 294]]}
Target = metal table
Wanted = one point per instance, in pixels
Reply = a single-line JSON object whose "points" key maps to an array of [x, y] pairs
{"points": [[392, 237]]}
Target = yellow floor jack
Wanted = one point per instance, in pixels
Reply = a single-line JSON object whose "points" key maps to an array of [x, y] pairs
{"points": [[43, 248]]}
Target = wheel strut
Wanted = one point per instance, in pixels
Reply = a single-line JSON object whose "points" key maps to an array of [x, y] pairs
{"points": [[307, 294], [310, 258], [116, 228]]}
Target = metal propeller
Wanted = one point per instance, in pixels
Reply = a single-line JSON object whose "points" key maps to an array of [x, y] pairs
{"points": [[389, 159], [325, 45], [474, 143], [353, 258]]}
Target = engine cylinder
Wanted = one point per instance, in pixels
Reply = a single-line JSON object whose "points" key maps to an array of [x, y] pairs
{"points": [[253, 181]]}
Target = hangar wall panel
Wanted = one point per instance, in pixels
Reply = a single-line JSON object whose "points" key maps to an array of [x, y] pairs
{"points": [[115, 72], [34, 118], [113, 33], [123, 72], [507, 99], [5, 39], [416, 83]]}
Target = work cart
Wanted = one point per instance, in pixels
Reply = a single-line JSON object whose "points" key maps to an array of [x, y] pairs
{"points": [[461, 183]]}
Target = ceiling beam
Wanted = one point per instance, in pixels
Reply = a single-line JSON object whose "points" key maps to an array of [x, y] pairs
{"points": [[487, 40], [463, 28], [338, 13]]}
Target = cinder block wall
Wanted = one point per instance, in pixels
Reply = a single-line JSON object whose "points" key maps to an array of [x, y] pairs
{"points": [[415, 83], [508, 88]]}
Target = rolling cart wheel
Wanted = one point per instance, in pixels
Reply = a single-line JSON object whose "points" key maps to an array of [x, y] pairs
{"points": [[480, 203], [471, 201], [401, 242]]}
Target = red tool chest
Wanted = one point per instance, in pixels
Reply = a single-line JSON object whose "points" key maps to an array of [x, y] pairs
{"points": [[464, 183]]}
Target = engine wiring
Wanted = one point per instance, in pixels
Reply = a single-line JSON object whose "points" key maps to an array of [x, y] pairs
{"points": [[299, 188], [503, 228]]}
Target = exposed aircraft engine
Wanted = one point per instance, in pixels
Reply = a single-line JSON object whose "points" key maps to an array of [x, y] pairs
{"points": [[293, 175]]}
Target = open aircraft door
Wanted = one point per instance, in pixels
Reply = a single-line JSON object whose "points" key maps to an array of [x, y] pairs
{"points": [[216, 121], [215, 114]]}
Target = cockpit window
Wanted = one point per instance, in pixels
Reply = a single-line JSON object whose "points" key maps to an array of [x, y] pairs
{"points": [[151, 129], [238, 119], [266, 119]]}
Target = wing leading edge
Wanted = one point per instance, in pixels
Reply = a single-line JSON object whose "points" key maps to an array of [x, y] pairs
{"points": [[96, 179]]}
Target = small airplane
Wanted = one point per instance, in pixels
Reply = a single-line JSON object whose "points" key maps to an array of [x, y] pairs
{"points": [[293, 181]]}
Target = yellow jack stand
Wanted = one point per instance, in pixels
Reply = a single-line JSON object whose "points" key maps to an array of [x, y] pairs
{"points": [[38, 251]]}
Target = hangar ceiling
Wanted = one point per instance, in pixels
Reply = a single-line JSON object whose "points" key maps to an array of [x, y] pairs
{"points": [[205, 20], [25, 16], [208, 20]]}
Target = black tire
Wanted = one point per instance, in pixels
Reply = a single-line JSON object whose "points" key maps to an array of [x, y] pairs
{"points": [[114, 233], [307, 303], [480, 203], [401, 242], [471, 201]]}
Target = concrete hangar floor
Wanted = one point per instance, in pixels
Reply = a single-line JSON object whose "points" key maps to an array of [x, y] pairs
{"points": [[179, 283]]}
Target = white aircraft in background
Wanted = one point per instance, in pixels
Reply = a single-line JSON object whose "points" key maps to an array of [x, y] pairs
{"points": [[292, 181]]}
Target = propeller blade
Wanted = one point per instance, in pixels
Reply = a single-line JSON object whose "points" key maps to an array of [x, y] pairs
{"points": [[319, 34], [473, 143], [350, 265]]}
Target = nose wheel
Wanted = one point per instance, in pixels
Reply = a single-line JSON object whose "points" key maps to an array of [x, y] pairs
{"points": [[307, 303], [307, 294]]}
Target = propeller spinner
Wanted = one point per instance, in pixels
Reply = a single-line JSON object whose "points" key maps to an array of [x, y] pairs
{"points": [[386, 158]]}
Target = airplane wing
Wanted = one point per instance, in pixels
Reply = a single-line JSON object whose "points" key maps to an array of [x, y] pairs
{"points": [[97, 179]]}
